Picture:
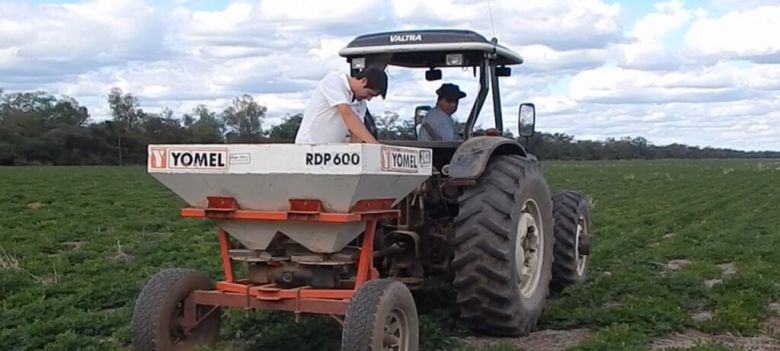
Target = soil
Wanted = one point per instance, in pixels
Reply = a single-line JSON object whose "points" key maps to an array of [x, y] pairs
{"points": [[543, 340]]}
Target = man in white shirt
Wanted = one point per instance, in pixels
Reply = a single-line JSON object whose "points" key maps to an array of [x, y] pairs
{"points": [[338, 105]]}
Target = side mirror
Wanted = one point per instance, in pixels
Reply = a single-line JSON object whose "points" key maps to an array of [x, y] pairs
{"points": [[432, 74], [526, 119], [419, 113], [503, 71]]}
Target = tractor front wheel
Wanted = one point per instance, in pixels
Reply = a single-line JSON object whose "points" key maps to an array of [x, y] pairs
{"points": [[572, 239], [158, 316], [503, 248], [381, 316]]}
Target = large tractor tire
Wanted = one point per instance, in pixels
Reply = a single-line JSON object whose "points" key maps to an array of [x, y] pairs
{"points": [[503, 247], [381, 316], [572, 240], [158, 313]]}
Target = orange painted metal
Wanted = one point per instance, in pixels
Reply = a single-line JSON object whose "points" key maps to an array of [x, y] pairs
{"points": [[221, 203], [370, 205], [224, 250], [243, 293], [305, 206], [366, 261], [270, 292], [300, 210], [319, 306], [277, 216]]}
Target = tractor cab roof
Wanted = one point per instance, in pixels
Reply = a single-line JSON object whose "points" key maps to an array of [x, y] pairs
{"points": [[428, 49]]}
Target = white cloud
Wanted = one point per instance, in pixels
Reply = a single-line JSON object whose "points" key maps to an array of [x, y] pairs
{"points": [[697, 75], [722, 82], [750, 34], [94, 33], [544, 59], [648, 48], [560, 24]]}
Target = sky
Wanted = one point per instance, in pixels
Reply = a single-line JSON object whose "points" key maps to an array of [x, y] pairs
{"points": [[703, 73]]}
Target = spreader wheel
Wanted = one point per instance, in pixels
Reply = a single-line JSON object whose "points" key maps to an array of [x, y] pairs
{"points": [[158, 316], [381, 316]]}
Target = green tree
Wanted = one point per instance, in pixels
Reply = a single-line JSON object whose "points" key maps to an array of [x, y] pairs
{"points": [[124, 108], [286, 130], [36, 127], [244, 119], [390, 127], [204, 126]]}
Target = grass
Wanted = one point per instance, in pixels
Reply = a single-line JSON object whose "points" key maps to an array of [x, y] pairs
{"points": [[78, 244]]}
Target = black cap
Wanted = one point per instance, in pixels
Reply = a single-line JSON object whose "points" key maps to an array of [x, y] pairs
{"points": [[450, 91]]}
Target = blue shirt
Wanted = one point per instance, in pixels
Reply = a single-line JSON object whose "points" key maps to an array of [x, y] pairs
{"points": [[441, 123]]}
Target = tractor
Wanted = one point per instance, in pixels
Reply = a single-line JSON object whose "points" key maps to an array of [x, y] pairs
{"points": [[484, 219], [350, 230]]}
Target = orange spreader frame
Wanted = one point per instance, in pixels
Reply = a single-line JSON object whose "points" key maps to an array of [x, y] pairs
{"points": [[233, 292]]}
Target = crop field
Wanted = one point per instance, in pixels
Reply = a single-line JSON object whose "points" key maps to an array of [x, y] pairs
{"points": [[686, 255]]}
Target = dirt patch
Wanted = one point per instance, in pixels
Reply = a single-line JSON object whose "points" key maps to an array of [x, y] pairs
{"points": [[712, 282], [108, 310], [772, 325], [543, 340], [702, 316], [74, 245], [727, 269], [120, 255], [34, 205], [675, 265], [694, 338], [7, 261]]}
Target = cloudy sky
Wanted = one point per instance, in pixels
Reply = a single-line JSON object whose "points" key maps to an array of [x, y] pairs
{"points": [[703, 73]]}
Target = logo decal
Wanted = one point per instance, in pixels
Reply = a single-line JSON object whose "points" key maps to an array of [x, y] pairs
{"points": [[158, 158], [425, 158], [206, 159], [399, 160], [403, 38]]}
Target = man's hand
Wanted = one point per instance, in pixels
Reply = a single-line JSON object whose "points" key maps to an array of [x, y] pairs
{"points": [[356, 127]]}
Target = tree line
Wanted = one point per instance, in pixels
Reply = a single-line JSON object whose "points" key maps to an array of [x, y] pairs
{"points": [[37, 128]]}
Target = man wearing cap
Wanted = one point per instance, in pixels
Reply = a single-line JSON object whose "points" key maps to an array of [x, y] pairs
{"points": [[438, 124], [337, 107]]}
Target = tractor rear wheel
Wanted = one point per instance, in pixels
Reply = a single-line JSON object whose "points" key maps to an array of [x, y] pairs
{"points": [[572, 239], [158, 313], [381, 316], [503, 248]]}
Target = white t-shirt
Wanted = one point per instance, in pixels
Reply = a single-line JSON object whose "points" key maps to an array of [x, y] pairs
{"points": [[322, 122]]}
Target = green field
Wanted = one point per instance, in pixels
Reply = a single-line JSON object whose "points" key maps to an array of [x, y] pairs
{"points": [[679, 246]]}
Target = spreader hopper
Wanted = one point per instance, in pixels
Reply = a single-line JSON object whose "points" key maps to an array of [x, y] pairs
{"points": [[344, 178]]}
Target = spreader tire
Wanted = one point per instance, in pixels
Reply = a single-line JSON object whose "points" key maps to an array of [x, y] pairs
{"points": [[503, 248], [381, 316], [572, 239], [159, 307]]}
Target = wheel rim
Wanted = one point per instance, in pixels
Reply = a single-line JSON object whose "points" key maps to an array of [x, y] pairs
{"points": [[528, 248], [582, 231], [396, 331]]}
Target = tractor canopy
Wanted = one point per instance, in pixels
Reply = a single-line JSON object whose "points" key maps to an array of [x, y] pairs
{"points": [[435, 49], [428, 49]]}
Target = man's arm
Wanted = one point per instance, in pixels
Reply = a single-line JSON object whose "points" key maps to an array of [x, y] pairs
{"points": [[355, 125]]}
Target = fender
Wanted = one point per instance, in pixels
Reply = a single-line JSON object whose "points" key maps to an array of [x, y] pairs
{"points": [[472, 156]]}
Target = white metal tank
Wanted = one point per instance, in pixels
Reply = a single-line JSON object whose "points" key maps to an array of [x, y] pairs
{"points": [[267, 176]]}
